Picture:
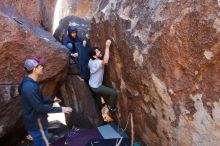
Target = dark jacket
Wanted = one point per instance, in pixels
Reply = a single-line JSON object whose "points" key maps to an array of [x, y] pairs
{"points": [[34, 105], [83, 62], [76, 42]]}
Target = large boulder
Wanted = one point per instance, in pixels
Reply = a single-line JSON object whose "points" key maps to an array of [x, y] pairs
{"points": [[164, 63], [48, 13], [38, 12], [79, 8], [20, 40], [77, 95], [29, 9]]}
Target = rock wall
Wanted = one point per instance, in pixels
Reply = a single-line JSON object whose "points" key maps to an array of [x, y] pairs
{"points": [[43, 12], [22, 36], [83, 8], [29, 9], [20, 40], [78, 96], [164, 63], [38, 12], [165, 66]]}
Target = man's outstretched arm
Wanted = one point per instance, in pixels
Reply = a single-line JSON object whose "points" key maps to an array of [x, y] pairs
{"points": [[106, 55]]}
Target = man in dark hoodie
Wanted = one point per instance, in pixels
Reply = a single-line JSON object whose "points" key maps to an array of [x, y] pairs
{"points": [[35, 105], [79, 50], [72, 41]]}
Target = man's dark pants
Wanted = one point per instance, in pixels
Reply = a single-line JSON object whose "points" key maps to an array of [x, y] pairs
{"points": [[105, 91]]}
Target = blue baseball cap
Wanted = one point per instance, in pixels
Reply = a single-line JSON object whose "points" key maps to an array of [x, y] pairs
{"points": [[30, 64]]}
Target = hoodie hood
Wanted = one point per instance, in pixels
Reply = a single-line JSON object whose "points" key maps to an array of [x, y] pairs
{"points": [[72, 29]]}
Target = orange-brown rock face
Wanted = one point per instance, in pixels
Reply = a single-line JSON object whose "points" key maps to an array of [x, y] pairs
{"points": [[78, 96], [22, 36], [29, 9], [39, 12], [20, 40], [165, 66], [164, 63]]}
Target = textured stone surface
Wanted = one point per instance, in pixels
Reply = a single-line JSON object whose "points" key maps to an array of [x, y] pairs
{"points": [[164, 62], [11, 122], [20, 40], [47, 9], [80, 8], [165, 66], [29, 9], [39, 12], [78, 96]]}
